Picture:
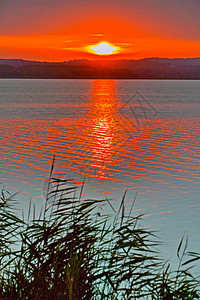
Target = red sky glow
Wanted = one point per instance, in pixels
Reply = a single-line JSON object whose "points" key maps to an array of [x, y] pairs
{"points": [[63, 30]]}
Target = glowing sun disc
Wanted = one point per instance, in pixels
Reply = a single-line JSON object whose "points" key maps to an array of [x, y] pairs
{"points": [[103, 49]]}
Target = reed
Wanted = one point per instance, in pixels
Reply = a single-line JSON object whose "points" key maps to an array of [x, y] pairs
{"points": [[74, 249]]}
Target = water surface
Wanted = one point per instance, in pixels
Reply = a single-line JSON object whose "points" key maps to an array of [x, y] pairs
{"points": [[142, 135]]}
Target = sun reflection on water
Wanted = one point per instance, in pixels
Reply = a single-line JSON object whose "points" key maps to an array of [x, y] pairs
{"points": [[103, 110], [105, 132], [99, 128]]}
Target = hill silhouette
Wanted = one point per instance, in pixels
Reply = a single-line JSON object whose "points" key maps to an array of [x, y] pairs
{"points": [[148, 68]]}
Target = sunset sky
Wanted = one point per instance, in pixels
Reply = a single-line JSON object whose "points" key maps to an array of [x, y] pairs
{"points": [[61, 30]]}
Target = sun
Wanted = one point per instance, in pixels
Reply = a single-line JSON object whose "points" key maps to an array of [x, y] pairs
{"points": [[102, 48]]}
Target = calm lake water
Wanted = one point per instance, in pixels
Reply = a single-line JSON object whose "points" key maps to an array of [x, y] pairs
{"points": [[142, 135]]}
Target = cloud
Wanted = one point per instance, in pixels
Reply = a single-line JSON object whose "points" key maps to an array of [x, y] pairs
{"points": [[96, 35], [124, 45]]}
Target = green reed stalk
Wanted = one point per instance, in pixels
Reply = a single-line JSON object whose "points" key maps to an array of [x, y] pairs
{"points": [[75, 250]]}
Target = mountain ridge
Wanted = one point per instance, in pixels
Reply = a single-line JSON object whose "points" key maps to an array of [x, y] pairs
{"points": [[146, 68]]}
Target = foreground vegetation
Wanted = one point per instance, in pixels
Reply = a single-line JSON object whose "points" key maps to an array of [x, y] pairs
{"points": [[84, 249]]}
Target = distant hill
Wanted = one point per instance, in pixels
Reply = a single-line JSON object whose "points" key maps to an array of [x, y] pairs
{"points": [[18, 62], [148, 68]]}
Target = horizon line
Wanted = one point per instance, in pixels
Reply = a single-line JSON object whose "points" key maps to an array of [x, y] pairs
{"points": [[93, 60]]}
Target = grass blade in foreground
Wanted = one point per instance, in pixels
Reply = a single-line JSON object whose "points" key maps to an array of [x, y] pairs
{"points": [[71, 251]]}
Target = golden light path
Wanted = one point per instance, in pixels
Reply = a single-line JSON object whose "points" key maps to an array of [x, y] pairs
{"points": [[103, 48], [103, 128]]}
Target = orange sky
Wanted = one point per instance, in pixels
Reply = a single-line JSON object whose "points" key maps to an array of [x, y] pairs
{"points": [[39, 32]]}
